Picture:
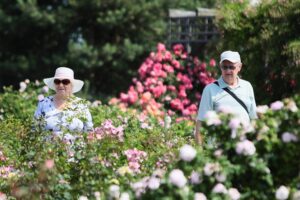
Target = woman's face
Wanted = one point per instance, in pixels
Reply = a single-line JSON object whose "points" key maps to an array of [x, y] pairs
{"points": [[63, 87], [230, 71]]}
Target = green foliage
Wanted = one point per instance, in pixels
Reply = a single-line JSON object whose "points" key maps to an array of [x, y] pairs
{"points": [[103, 41], [237, 159], [267, 37]]}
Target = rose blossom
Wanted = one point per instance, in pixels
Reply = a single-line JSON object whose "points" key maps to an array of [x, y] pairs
{"points": [[219, 188], [124, 196], [153, 183], [282, 193], [234, 194], [262, 109], [289, 137], [187, 153], [277, 105], [196, 178], [200, 196], [114, 191], [177, 178], [245, 147], [210, 168]]}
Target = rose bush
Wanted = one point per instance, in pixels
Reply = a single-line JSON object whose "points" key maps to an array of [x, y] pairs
{"points": [[168, 82], [131, 155]]}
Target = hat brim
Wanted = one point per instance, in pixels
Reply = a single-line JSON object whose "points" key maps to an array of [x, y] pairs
{"points": [[76, 84]]}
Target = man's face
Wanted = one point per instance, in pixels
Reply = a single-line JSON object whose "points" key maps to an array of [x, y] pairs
{"points": [[230, 71]]}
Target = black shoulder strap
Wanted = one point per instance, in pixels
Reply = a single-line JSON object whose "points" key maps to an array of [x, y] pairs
{"points": [[234, 96]]}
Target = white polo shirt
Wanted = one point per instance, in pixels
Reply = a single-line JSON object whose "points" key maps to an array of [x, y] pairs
{"points": [[214, 97]]}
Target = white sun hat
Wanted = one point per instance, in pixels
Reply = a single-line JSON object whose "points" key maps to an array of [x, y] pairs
{"points": [[64, 73], [231, 56]]}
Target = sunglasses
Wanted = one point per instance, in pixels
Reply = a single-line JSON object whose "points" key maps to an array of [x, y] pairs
{"points": [[228, 67], [64, 81]]}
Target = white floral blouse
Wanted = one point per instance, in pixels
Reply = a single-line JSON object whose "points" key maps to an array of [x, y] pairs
{"points": [[75, 117]]}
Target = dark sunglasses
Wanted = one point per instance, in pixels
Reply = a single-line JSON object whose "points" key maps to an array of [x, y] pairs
{"points": [[64, 81], [228, 67]]}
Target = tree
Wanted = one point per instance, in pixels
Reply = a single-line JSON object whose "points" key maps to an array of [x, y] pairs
{"points": [[103, 41], [267, 36]]}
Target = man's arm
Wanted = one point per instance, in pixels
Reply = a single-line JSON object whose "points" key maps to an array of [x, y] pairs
{"points": [[198, 136]]}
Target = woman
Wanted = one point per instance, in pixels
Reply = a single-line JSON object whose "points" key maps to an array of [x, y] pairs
{"points": [[64, 112]]}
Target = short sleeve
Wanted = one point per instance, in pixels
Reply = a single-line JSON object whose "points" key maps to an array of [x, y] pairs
{"points": [[206, 103], [252, 111], [88, 124], [39, 110]]}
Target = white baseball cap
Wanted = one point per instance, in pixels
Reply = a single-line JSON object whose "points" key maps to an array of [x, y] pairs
{"points": [[231, 56]]}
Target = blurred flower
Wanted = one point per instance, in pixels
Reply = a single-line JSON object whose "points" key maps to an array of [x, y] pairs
{"points": [[23, 86], [140, 186], [262, 109], [196, 178], [37, 83], [245, 147], [168, 121], [124, 170], [282, 193], [82, 198], [212, 118], [296, 195], [96, 103], [277, 105], [218, 153], [45, 89], [2, 157], [289, 137], [154, 183], [145, 125], [200, 196], [234, 194], [40, 97], [114, 191], [3, 196], [135, 157], [176, 177], [234, 123], [187, 153], [97, 195], [27, 81], [124, 196], [219, 188], [210, 168], [212, 62], [49, 164], [221, 177], [291, 105]]}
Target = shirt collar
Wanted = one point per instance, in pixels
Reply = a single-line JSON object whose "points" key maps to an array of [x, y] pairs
{"points": [[223, 84]]}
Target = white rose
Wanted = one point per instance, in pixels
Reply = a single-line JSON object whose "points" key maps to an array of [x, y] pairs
{"points": [[200, 196], [124, 196], [154, 183], [282, 193], [234, 194], [219, 188], [114, 191], [187, 153], [177, 178], [289, 137], [82, 198], [196, 178], [245, 147]]}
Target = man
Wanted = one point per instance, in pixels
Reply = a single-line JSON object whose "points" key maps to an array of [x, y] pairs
{"points": [[216, 96]]}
